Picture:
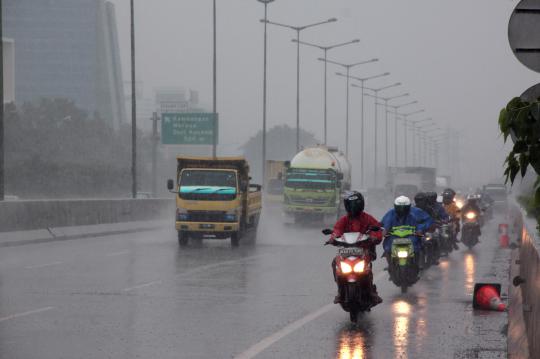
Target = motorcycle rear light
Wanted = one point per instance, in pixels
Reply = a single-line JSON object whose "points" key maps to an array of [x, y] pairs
{"points": [[402, 254], [359, 267], [345, 267]]}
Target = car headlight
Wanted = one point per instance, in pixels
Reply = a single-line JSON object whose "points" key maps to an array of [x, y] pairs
{"points": [[359, 267], [402, 254], [470, 215], [345, 267]]}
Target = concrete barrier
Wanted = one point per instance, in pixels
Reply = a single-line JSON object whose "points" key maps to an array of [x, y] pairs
{"points": [[529, 261], [30, 215]]}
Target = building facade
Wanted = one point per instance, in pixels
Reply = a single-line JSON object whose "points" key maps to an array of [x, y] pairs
{"points": [[67, 49]]}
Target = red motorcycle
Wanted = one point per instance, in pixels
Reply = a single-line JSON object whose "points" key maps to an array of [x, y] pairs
{"points": [[353, 272]]}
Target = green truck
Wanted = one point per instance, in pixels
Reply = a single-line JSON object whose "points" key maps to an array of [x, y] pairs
{"points": [[314, 182]]}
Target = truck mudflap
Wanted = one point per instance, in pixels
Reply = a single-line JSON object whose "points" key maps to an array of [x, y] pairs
{"points": [[206, 227]]}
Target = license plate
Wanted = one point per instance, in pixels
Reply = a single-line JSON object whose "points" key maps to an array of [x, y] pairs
{"points": [[351, 252], [206, 226]]}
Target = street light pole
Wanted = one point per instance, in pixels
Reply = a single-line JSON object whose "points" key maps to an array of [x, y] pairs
{"points": [[265, 2], [214, 97], [415, 131], [396, 119], [2, 164], [326, 49], [298, 29], [405, 119], [375, 157], [362, 82], [133, 107]]}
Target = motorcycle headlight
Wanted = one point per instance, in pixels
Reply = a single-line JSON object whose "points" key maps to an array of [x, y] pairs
{"points": [[470, 215], [402, 254], [459, 204], [428, 237], [345, 267], [359, 267]]}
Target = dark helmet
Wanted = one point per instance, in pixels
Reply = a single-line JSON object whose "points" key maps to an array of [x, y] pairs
{"points": [[354, 203], [431, 197], [402, 206], [420, 200], [448, 195]]}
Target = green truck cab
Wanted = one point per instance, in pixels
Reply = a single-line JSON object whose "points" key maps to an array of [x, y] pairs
{"points": [[215, 199], [314, 182]]}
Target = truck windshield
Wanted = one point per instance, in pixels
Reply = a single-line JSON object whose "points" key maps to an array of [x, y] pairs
{"points": [[497, 193], [311, 179], [208, 185]]}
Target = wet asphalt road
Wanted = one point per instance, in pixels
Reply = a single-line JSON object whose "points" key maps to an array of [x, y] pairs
{"points": [[140, 296]]}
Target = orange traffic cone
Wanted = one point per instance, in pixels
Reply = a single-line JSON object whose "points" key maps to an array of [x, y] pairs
{"points": [[487, 296], [504, 238]]}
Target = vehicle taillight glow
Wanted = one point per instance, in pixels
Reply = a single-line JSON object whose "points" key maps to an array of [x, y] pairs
{"points": [[359, 267], [345, 267]]}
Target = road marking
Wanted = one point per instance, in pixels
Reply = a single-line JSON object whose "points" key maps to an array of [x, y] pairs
{"points": [[44, 265], [25, 314], [144, 285], [114, 254], [193, 271], [258, 348]]}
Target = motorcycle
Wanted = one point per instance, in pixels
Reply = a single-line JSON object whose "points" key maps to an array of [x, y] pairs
{"points": [[470, 231], [353, 272], [447, 236], [431, 248], [404, 265]]}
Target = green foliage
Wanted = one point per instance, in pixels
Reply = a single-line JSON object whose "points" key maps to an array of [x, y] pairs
{"points": [[520, 120], [54, 149]]}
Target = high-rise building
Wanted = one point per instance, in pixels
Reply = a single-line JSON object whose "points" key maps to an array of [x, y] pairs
{"points": [[67, 49], [8, 47]]}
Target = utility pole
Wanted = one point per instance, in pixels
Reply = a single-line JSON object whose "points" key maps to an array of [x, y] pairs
{"points": [[133, 108], [214, 146], [155, 138]]}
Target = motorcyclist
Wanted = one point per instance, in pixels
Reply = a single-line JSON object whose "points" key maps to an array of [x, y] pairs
{"points": [[438, 209], [473, 205], [356, 220], [421, 201], [404, 215], [453, 211]]}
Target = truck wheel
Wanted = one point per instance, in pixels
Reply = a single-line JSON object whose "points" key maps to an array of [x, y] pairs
{"points": [[235, 239], [183, 239]]}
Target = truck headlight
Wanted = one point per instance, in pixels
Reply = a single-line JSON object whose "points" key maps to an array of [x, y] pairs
{"points": [[229, 217], [182, 214]]}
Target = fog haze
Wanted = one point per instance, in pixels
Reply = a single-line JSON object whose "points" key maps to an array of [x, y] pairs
{"points": [[453, 57]]}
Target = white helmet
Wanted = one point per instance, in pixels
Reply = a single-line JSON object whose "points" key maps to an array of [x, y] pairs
{"points": [[402, 206], [402, 201]]}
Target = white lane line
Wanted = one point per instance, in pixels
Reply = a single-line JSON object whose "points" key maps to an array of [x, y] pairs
{"points": [[39, 266], [25, 314], [114, 254], [144, 285], [258, 348], [194, 271]]}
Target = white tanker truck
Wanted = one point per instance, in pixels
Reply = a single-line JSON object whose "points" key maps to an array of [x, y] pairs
{"points": [[314, 182]]}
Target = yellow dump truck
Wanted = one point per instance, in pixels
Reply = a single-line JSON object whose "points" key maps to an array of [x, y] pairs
{"points": [[214, 198]]}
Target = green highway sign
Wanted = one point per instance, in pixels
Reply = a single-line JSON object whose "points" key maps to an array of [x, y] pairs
{"points": [[188, 128]]}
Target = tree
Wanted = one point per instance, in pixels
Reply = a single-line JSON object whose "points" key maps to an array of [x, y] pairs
{"points": [[520, 120]]}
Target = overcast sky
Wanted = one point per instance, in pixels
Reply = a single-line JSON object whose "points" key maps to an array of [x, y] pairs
{"points": [[452, 56]]}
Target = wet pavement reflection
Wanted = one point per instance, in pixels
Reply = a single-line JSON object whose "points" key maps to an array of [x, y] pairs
{"points": [[355, 341]]}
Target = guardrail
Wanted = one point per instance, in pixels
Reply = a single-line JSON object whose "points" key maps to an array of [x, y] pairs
{"points": [[529, 271], [28, 215]]}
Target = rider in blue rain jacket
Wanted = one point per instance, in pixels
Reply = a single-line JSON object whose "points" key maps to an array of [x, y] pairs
{"points": [[404, 215]]}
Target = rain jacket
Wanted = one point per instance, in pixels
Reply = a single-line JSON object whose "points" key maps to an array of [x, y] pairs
{"points": [[453, 210], [440, 212], [418, 218], [360, 224]]}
